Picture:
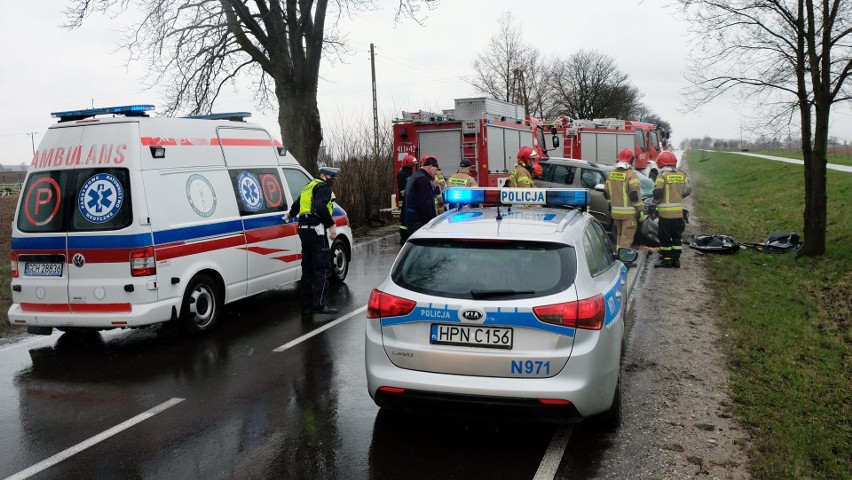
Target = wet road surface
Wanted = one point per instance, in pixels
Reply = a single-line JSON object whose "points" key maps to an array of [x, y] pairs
{"points": [[268, 394]]}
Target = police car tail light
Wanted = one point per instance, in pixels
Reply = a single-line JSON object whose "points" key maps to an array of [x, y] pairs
{"points": [[142, 262], [13, 267], [384, 305], [588, 313]]}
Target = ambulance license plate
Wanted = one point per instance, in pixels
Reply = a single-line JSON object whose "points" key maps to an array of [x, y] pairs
{"points": [[40, 269], [471, 336]]}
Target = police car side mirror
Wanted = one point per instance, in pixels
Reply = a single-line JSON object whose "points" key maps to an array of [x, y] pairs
{"points": [[627, 255]]}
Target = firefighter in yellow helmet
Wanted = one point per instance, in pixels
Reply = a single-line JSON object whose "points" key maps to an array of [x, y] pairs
{"points": [[521, 176], [625, 200], [671, 187], [315, 207]]}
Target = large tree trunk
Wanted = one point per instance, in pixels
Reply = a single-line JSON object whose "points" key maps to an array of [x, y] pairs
{"points": [[815, 185], [299, 120]]}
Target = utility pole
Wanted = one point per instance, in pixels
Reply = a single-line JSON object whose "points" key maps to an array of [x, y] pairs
{"points": [[375, 103], [32, 139]]}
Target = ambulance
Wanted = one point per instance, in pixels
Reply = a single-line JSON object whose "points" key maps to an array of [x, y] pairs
{"points": [[127, 220]]}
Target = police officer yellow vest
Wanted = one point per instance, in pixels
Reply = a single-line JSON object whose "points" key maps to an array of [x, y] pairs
{"points": [[307, 197]]}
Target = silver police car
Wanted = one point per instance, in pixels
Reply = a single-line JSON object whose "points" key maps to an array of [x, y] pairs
{"points": [[503, 310]]}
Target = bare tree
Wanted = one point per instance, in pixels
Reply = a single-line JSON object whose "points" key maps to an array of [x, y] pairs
{"points": [[794, 57], [589, 85], [505, 55], [197, 47]]}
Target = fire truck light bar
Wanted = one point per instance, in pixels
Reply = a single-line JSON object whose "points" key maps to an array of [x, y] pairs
{"points": [[552, 197], [126, 110]]}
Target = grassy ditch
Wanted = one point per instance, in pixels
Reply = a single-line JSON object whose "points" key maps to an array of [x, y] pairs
{"points": [[786, 319]]}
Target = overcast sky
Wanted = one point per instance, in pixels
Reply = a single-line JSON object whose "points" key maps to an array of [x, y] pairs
{"points": [[46, 68]]}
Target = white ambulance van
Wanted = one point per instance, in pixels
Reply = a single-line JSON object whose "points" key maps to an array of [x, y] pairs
{"points": [[128, 220]]}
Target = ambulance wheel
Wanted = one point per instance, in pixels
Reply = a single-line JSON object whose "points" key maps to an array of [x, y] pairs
{"points": [[202, 305], [339, 261]]}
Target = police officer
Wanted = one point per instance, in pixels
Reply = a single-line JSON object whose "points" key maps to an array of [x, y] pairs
{"points": [[419, 205], [671, 187], [521, 176], [623, 192], [462, 178], [314, 208]]}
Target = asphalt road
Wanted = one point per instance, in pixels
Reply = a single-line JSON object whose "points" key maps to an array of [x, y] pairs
{"points": [[267, 395]]}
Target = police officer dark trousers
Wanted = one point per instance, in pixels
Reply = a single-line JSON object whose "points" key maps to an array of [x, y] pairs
{"points": [[314, 207]]}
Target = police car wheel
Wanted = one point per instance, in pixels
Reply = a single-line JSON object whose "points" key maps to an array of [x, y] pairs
{"points": [[340, 261], [202, 304], [611, 419]]}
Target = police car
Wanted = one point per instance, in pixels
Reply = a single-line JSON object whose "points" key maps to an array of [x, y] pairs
{"points": [[503, 310]]}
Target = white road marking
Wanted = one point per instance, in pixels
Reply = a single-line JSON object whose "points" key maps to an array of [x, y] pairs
{"points": [[319, 330], [553, 456], [38, 467]]}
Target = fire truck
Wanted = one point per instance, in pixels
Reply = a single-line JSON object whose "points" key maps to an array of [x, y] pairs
{"points": [[486, 131], [600, 140]]}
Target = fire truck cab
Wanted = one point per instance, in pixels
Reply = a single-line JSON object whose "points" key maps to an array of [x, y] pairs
{"points": [[600, 140]]}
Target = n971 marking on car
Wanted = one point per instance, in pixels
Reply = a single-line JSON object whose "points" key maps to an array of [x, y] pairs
{"points": [[531, 367]]}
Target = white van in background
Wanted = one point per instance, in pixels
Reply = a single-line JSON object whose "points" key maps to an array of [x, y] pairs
{"points": [[130, 220]]}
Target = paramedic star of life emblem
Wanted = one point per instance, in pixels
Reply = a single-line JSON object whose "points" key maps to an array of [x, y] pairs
{"points": [[201, 196], [250, 193], [101, 198]]}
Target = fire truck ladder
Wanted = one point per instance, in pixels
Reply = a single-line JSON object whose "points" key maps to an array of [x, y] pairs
{"points": [[469, 150]]}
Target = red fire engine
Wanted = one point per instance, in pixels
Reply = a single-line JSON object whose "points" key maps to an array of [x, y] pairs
{"points": [[486, 131], [600, 140]]}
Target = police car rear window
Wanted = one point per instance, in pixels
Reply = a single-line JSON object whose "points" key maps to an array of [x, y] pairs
{"points": [[485, 270]]}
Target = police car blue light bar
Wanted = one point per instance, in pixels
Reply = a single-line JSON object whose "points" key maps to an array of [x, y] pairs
{"points": [[239, 116], [126, 110], [551, 197]]}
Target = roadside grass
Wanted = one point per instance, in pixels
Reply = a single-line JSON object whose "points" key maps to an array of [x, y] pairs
{"points": [[786, 319], [839, 158]]}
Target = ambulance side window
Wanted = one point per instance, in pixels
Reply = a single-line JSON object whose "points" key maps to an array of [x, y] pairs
{"points": [[258, 190], [102, 200], [42, 207], [296, 181]]}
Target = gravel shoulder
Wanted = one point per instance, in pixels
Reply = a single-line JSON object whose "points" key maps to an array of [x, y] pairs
{"points": [[677, 410]]}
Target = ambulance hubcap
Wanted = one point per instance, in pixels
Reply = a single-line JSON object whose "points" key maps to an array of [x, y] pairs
{"points": [[202, 305]]}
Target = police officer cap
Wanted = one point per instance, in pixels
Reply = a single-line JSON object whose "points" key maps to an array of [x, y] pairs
{"points": [[465, 163], [330, 171]]}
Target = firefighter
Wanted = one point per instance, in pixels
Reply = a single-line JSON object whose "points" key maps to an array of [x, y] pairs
{"points": [[623, 193], [419, 205], [439, 184], [462, 178], [536, 170], [521, 176], [671, 187], [407, 169], [314, 206]]}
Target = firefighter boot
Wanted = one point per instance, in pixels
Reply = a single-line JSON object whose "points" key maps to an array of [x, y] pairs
{"points": [[665, 262], [676, 259]]}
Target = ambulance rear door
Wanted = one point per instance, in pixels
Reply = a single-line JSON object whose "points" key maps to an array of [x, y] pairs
{"points": [[110, 245], [273, 245], [39, 235]]}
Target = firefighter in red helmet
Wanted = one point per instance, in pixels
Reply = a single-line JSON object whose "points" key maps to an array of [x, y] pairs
{"points": [[521, 176], [402, 176], [623, 192], [671, 187]]}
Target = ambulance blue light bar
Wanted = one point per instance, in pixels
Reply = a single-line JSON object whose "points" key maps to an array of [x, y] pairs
{"points": [[238, 116], [126, 110], [551, 197]]}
